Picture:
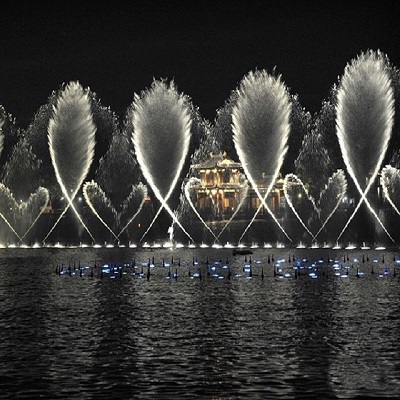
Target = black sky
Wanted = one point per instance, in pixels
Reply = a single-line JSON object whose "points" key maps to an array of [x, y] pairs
{"points": [[206, 47]]}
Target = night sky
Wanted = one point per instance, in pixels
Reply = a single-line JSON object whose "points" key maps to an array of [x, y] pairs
{"points": [[206, 47]]}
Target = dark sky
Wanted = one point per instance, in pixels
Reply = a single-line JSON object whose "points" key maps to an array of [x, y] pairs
{"points": [[206, 47]]}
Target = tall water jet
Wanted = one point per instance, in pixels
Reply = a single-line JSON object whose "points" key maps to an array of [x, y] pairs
{"points": [[365, 110], [260, 124], [71, 136], [161, 136]]}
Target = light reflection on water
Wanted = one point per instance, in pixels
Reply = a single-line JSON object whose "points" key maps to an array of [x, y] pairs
{"points": [[83, 338]]}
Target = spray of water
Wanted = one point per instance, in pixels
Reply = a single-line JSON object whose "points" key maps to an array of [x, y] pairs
{"points": [[327, 204], [239, 206], [188, 187], [71, 135], [331, 197], [365, 110], [260, 124], [133, 205], [103, 209], [24, 214], [7, 204], [290, 181], [391, 186], [100, 204], [161, 136], [2, 119]]}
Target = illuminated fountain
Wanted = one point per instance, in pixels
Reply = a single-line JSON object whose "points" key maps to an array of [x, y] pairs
{"points": [[161, 135], [190, 188], [103, 209], [160, 130], [71, 135], [322, 209], [21, 216], [260, 123], [365, 110], [188, 191]]}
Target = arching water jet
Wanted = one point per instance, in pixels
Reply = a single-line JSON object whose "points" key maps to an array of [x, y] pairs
{"points": [[260, 124], [161, 136], [71, 135], [365, 110]]}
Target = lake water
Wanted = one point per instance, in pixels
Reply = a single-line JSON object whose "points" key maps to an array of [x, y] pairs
{"points": [[243, 334]]}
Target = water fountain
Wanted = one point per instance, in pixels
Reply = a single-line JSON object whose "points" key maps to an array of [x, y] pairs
{"points": [[71, 134], [103, 209], [260, 124], [322, 209], [365, 110], [160, 131], [161, 136], [21, 216]]}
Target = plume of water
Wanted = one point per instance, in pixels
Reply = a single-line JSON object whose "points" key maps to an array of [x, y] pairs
{"points": [[331, 196], [161, 136], [71, 135], [391, 186], [20, 217], [245, 190], [2, 119], [132, 206], [104, 210], [100, 204], [290, 183], [365, 110], [260, 124], [188, 189]]}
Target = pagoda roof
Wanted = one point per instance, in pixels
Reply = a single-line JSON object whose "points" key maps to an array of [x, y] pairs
{"points": [[218, 161]]}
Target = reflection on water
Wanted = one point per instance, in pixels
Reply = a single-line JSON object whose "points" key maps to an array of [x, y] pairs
{"points": [[83, 338]]}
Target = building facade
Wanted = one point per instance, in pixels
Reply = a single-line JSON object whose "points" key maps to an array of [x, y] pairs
{"points": [[221, 190]]}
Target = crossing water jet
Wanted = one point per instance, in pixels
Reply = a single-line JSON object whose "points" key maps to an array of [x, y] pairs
{"points": [[260, 125], [102, 208], [192, 182], [365, 110], [327, 203], [161, 136], [71, 135]]}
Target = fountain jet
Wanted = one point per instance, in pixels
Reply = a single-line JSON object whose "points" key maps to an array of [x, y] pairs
{"points": [[260, 124], [365, 110], [161, 136], [71, 135]]}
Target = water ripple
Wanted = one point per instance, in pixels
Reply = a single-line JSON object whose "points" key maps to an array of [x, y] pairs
{"points": [[82, 338]]}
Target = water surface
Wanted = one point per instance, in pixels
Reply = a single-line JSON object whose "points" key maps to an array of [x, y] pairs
{"points": [[79, 337]]}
